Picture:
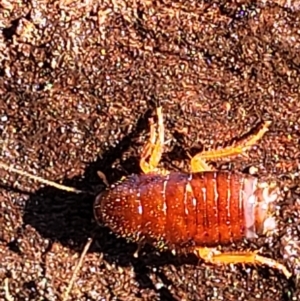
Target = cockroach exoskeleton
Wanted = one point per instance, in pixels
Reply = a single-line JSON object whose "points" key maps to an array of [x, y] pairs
{"points": [[196, 211]]}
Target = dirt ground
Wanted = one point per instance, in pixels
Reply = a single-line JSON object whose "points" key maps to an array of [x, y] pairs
{"points": [[78, 82]]}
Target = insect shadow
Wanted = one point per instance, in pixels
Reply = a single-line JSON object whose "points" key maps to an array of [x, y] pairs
{"points": [[67, 218]]}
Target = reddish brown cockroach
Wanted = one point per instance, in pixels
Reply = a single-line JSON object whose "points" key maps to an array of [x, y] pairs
{"points": [[203, 209], [194, 211]]}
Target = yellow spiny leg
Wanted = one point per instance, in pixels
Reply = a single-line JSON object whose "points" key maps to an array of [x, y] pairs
{"points": [[213, 256], [153, 150], [198, 162]]}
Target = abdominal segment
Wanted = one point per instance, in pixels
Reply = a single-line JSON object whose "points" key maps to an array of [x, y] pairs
{"points": [[200, 209]]}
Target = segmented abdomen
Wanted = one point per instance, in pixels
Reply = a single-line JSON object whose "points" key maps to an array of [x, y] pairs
{"points": [[203, 209]]}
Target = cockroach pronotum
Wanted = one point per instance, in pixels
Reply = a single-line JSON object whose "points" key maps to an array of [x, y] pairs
{"points": [[194, 212]]}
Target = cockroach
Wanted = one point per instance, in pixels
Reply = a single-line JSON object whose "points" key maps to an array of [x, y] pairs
{"points": [[193, 212]]}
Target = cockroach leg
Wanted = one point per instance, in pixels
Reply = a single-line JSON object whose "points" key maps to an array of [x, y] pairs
{"points": [[198, 162], [211, 255], [102, 176], [152, 151], [199, 165]]}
